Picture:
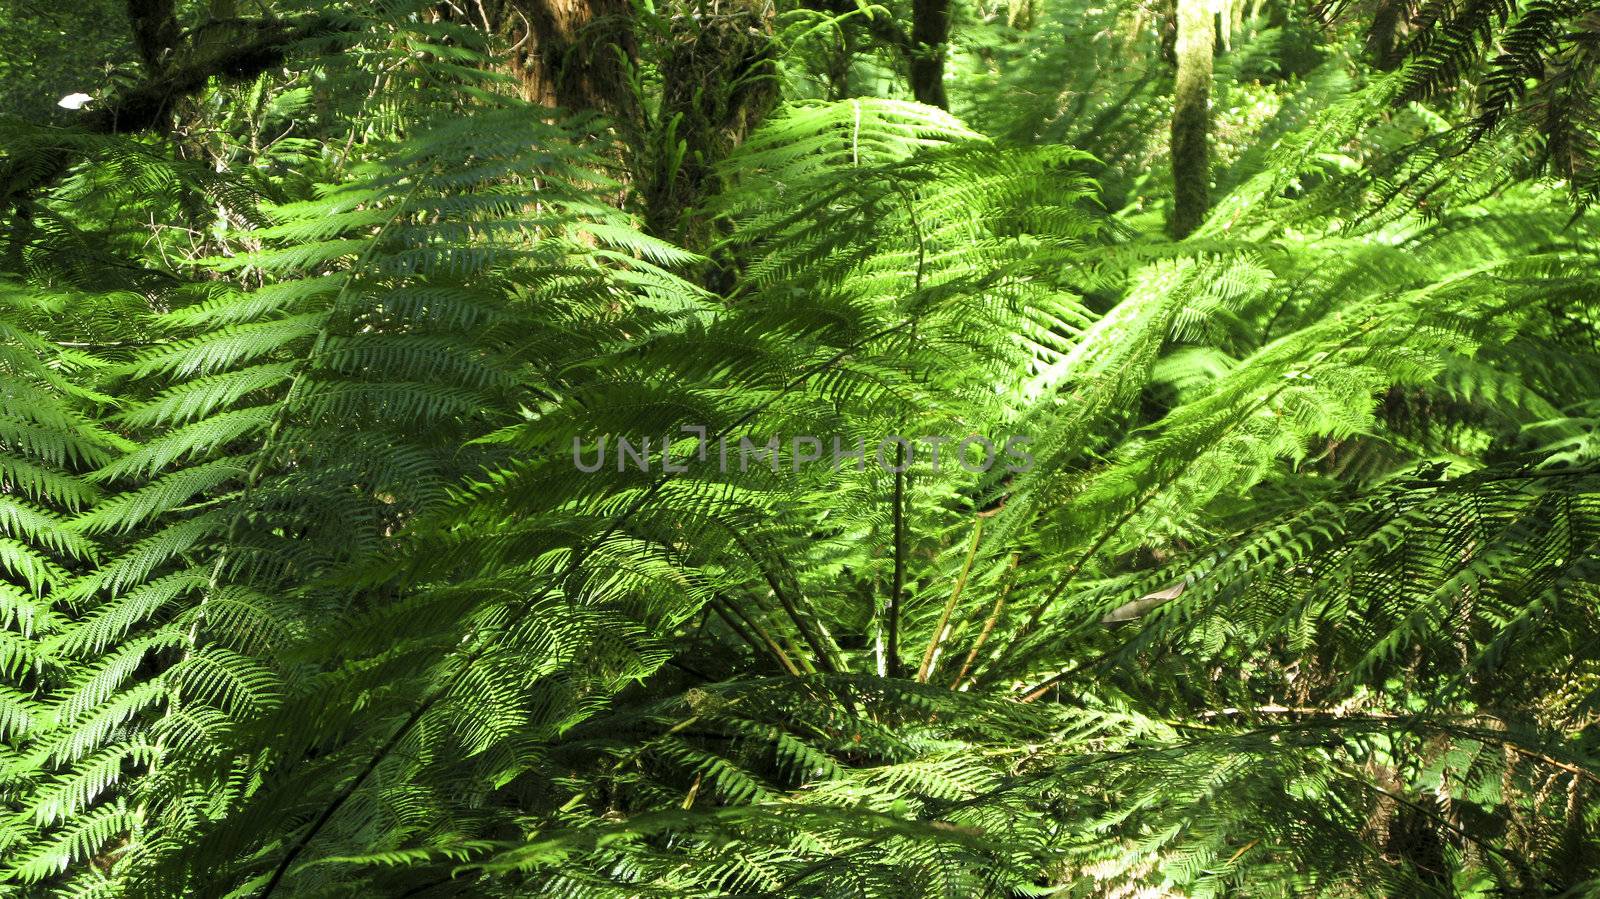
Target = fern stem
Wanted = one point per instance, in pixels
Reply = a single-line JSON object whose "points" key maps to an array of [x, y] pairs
{"points": [[988, 624], [269, 449], [898, 588], [338, 802], [949, 606], [280, 417], [765, 644], [788, 656], [791, 606]]}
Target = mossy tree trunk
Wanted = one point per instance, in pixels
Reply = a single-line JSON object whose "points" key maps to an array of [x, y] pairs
{"points": [[930, 37], [1191, 116], [154, 24], [716, 63], [1383, 39], [570, 53], [718, 81]]}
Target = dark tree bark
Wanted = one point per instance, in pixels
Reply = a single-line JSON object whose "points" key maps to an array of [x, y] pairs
{"points": [[1191, 117], [930, 37], [718, 82], [838, 72], [155, 31], [924, 49], [566, 52], [717, 65], [1383, 40]]}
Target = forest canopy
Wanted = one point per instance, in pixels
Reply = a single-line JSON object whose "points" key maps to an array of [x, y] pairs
{"points": [[799, 448]]}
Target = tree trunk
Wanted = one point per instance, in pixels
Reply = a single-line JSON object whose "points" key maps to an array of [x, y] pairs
{"points": [[717, 63], [155, 31], [1383, 40], [566, 52], [718, 77], [930, 34], [1191, 116]]}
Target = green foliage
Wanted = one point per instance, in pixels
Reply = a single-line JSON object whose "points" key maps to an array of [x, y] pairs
{"points": [[312, 590]]}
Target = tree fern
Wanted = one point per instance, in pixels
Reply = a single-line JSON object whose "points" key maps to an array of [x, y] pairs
{"points": [[402, 520]]}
